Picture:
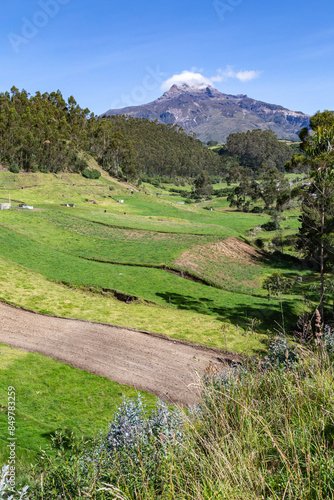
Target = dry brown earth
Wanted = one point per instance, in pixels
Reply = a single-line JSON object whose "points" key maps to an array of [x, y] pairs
{"points": [[166, 367]]}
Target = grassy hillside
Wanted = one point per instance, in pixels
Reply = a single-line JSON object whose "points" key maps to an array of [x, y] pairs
{"points": [[72, 262], [129, 247]]}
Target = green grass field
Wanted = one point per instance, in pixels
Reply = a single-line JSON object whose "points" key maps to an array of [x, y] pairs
{"points": [[44, 267], [51, 395], [56, 242]]}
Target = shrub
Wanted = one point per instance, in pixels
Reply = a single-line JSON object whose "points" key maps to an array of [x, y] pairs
{"points": [[328, 337], [259, 242], [91, 173], [139, 442], [14, 169], [269, 226], [222, 192], [132, 456], [257, 210], [281, 354]]}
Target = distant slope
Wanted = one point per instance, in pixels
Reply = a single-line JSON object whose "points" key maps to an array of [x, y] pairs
{"points": [[213, 115]]}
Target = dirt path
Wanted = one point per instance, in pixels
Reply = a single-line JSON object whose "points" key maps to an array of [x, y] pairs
{"points": [[166, 367]]}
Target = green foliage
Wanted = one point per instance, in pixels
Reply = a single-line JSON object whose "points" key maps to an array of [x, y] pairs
{"points": [[256, 433], [269, 226], [257, 210], [45, 133], [310, 238], [91, 173], [277, 284], [269, 186], [15, 169], [254, 148], [322, 119], [202, 185], [315, 234]]}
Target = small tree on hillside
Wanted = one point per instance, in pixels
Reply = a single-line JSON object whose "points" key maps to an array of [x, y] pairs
{"points": [[276, 285], [203, 186]]}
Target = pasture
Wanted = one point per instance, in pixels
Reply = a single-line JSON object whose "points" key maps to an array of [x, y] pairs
{"points": [[188, 273]]}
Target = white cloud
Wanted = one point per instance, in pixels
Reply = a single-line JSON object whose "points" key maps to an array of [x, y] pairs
{"points": [[246, 76], [195, 78], [189, 78]]}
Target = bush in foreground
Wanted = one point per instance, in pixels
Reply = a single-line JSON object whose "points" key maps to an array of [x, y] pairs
{"points": [[261, 431]]}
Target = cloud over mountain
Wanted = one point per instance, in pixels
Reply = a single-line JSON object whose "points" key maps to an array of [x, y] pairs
{"points": [[196, 79]]}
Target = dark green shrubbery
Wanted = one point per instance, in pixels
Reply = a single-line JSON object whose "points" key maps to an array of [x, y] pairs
{"points": [[91, 173], [257, 210], [269, 226], [14, 169], [259, 242], [222, 192]]}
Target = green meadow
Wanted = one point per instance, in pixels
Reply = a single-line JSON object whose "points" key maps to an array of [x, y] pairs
{"points": [[49, 396], [126, 247], [70, 262]]}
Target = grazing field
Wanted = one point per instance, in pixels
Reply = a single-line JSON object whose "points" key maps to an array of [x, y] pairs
{"points": [[149, 263], [155, 285], [98, 245]]}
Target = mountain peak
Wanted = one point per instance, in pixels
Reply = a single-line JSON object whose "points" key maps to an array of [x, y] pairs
{"points": [[213, 115], [196, 90]]}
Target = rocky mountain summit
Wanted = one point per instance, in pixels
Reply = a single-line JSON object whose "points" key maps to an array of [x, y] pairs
{"points": [[212, 115]]}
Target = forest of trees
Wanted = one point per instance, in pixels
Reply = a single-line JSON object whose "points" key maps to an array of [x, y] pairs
{"points": [[257, 147], [48, 134]]}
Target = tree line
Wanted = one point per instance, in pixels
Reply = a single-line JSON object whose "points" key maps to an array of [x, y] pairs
{"points": [[45, 133]]}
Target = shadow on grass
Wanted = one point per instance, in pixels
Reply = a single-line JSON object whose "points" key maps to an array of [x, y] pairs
{"points": [[284, 262], [240, 314]]}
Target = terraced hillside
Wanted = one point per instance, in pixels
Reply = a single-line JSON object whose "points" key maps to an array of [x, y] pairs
{"points": [[152, 262]]}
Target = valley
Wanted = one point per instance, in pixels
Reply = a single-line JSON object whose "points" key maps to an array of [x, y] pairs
{"points": [[55, 261]]}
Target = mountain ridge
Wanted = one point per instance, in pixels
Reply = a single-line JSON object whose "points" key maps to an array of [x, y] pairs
{"points": [[213, 115]]}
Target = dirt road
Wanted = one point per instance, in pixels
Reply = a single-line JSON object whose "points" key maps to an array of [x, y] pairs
{"points": [[166, 367]]}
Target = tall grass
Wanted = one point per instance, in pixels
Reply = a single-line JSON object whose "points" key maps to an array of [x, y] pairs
{"points": [[264, 435]]}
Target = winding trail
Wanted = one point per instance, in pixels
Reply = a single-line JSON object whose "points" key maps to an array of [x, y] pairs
{"points": [[151, 362]]}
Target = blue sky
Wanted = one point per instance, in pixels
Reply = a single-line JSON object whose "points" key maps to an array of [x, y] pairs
{"points": [[118, 53]]}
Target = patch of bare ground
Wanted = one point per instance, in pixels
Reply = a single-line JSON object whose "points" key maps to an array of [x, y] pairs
{"points": [[148, 361], [216, 260]]}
